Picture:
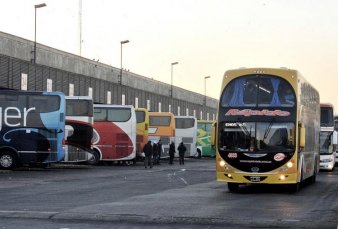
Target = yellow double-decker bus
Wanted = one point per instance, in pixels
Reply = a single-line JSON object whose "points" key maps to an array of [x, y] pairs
{"points": [[268, 128]]}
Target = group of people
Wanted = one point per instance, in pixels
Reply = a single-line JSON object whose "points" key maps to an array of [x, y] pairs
{"points": [[154, 151]]}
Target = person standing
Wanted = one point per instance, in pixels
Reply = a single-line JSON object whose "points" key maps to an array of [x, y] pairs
{"points": [[171, 153], [148, 153], [181, 151], [159, 151], [154, 153]]}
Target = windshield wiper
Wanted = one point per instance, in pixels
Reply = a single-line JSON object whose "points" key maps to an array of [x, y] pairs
{"points": [[245, 130], [267, 131]]}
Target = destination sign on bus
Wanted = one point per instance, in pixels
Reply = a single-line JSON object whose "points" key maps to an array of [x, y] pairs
{"points": [[250, 112]]}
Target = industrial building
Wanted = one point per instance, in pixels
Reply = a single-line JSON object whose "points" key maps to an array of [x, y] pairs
{"points": [[57, 70]]}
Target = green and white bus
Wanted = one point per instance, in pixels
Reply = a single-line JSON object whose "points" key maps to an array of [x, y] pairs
{"points": [[204, 147]]}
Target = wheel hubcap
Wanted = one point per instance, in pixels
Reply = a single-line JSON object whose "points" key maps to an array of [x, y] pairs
{"points": [[6, 161]]}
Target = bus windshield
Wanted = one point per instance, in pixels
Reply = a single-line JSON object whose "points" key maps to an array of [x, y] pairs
{"points": [[111, 114], [258, 90], [326, 116], [325, 141], [257, 136], [77, 107], [184, 123], [159, 120], [140, 116]]}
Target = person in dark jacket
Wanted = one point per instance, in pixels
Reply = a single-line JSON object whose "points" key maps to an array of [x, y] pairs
{"points": [[171, 153], [154, 153], [159, 152], [148, 153], [181, 151]]}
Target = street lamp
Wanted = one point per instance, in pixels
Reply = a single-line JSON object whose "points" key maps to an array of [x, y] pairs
{"points": [[205, 94], [122, 42], [171, 87], [36, 6]]}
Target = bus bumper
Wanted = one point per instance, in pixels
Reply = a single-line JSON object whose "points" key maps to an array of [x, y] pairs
{"points": [[262, 178]]}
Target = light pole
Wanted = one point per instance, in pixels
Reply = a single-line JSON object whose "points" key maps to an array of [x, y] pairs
{"points": [[36, 6], [205, 95], [171, 86], [122, 42]]}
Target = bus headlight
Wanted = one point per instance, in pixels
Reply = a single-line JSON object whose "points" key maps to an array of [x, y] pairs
{"points": [[289, 164], [282, 177], [222, 163]]}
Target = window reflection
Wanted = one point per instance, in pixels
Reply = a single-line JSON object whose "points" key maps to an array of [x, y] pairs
{"points": [[257, 136], [325, 142], [253, 90]]}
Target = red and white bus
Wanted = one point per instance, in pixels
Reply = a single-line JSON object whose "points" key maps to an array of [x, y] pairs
{"points": [[114, 133]]}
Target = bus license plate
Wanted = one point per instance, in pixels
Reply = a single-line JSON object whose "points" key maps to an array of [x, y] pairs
{"points": [[255, 179]]}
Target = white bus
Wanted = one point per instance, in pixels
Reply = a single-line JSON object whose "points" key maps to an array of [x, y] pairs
{"points": [[328, 137], [79, 129], [336, 129], [186, 131]]}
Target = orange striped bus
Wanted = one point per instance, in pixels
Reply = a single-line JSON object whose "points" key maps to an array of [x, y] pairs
{"points": [[162, 126]]}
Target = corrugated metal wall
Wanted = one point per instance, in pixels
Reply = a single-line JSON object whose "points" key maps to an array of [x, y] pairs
{"points": [[11, 70]]}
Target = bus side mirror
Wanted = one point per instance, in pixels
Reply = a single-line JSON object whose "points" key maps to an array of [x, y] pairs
{"points": [[302, 133], [146, 126], [334, 139], [213, 134]]}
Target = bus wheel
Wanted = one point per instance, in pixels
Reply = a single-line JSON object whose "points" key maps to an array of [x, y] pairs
{"points": [[314, 177], [294, 187], [233, 187], [199, 153], [95, 159], [7, 160]]}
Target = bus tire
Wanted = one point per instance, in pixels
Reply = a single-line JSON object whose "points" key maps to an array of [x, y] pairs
{"points": [[294, 187], [314, 176], [95, 159], [7, 160], [233, 187]]}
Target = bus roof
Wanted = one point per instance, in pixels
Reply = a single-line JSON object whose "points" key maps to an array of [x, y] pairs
{"points": [[160, 114], [326, 105], [141, 109], [183, 116], [272, 71], [79, 97], [113, 105], [205, 121]]}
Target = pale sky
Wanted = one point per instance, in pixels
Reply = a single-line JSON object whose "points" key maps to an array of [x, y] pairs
{"points": [[206, 37]]}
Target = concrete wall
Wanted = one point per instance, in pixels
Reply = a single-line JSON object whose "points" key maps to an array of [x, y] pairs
{"points": [[20, 48]]}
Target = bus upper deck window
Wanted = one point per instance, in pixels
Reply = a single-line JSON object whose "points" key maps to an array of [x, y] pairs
{"points": [[258, 90]]}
